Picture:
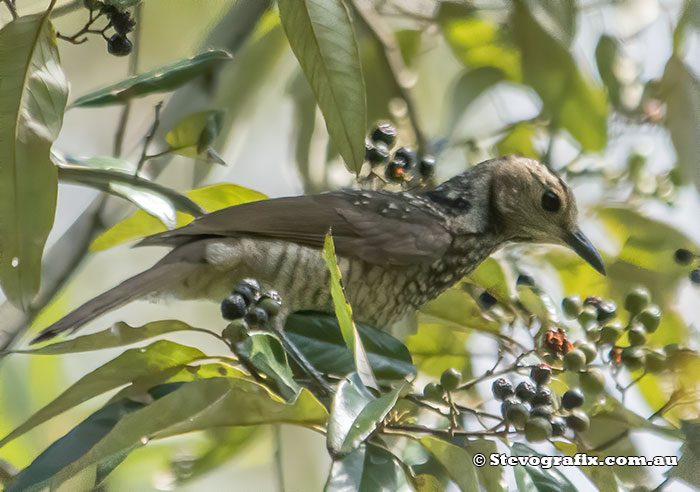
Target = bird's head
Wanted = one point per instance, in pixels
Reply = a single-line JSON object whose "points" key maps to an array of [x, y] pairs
{"points": [[532, 204]]}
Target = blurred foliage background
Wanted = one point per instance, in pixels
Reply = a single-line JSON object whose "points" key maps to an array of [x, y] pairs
{"points": [[605, 92]]}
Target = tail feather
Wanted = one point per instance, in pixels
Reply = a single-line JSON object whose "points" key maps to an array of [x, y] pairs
{"points": [[152, 280]]}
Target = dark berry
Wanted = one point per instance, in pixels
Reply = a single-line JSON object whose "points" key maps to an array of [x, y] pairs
{"points": [[695, 276], [246, 293], [269, 305], [507, 403], [376, 154], [525, 391], [606, 311], [526, 280], [450, 379], [434, 392], [650, 317], [257, 317], [486, 300], [541, 374], [395, 171], [122, 22], [233, 307], [119, 45], [571, 306], [637, 299], [542, 397], [406, 155], [592, 301], [252, 284], [543, 411], [683, 256], [558, 426], [573, 398], [538, 429], [578, 421], [502, 389], [385, 133], [427, 166]]}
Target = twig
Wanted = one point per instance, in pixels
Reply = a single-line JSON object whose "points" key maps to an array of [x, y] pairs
{"points": [[385, 37], [133, 66], [11, 7], [85, 30], [421, 429], [279, 471], [149, 137]]}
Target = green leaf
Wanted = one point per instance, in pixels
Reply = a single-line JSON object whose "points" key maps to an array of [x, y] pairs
{"points": [[545, 480], [572, 102], [368, 468], [318, 337], [556, 17], [265, 352], [690, 17], [456, 461], [489, 275], [680, 90], [195, 406], [518, 140], [491, 477], [159, 357], [33, 95], [141, 224], [118, 335], [163, 79], [122, 4], [193, 135], [321, 36], [355, 414], [438, 346], [469, 87], [343, 312], [606, 57], [456, 308]]}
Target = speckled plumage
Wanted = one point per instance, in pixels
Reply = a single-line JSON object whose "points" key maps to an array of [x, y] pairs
{"points": [[396, 251]]}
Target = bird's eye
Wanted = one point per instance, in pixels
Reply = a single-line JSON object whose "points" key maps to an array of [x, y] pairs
{"points": [[550, 201]]}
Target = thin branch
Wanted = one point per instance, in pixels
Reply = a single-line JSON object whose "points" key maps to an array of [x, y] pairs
{"points": [[404, 429], [149, 138], [279, 471], [11, 7], [133, 66]]}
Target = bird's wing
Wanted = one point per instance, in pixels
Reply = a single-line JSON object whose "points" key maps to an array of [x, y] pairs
{"points": [[378, 227]]}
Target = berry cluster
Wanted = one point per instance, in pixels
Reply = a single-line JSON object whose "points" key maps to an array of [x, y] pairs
{"points": [[449, 381], [248, 306], [119, 20], [532, 406], [399, 165], [688, 258], [599, 320]]}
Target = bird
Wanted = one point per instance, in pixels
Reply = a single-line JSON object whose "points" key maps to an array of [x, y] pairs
{"points": [[396, 250]]}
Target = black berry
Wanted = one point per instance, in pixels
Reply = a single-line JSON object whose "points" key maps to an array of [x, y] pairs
{"points": [[122, 22], [525, 391], [119, 45], [695, 276], [376, 154], [502, 389], [406, 155], [395, 171], [541, 411], [233, 307], [526, 280], [385, 133], [427, 166], [558, 426], [246, 293], [542, 397], [683, 256], [257, 317], [486, 300], [573, 398], [541, 374], [606, 311]]}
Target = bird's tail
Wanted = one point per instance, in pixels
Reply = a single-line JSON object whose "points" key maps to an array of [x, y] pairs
{"points": [[162, 274]]}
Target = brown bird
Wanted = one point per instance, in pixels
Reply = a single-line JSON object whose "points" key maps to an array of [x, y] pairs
{"points": [[396, 251]]}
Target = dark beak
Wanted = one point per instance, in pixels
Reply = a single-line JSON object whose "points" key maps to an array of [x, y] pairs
{"points": [[583, 247]]}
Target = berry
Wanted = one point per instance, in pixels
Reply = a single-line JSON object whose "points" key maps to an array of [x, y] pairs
{"points": [[252, 284], [384, 133], [377, 153], [395, 171], [119, 45], [637, 299], [233, 307], [245, 292], [269, 305], [592, 301], [537, 429], [573, 398], [235, 331], [486, 301], [434, 392], [571, 306], [650, 317], [450, 379], [516, 413], [558, 426], [695, 276], [592, 380], [633, 358], [426, 167], [636, 334], [606, 311], [593, 333], [574, 360], [526, 280], [543, 411], [589, 351], [542, 397], [683, 256], [405, 155], [610, 333], [578, 421], [525, 391], [655, 362], [502, 389], [257, 317], [588, 315], [507, 403], [122, 22], [541, 374]]}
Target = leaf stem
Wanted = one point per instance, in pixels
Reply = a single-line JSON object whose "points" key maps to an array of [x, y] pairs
{"points": [[149, 138], [11, 7]]}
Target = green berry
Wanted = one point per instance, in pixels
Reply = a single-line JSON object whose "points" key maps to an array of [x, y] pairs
{"points": [[270, 306], [611, 332], [683, 256], [516, 413], [574, 360], [655, 362], [637, 299], [450, 379], [235, 331], [543, 411], [650, 317], [525, 391], [588, 315], [573, 398], [571, 306], [593, 333], [541, 374], [537, 429], [592, 380], [434, 392], [502, 389], [589, 351], [636, 334], [578, 421], [633, 358]]}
